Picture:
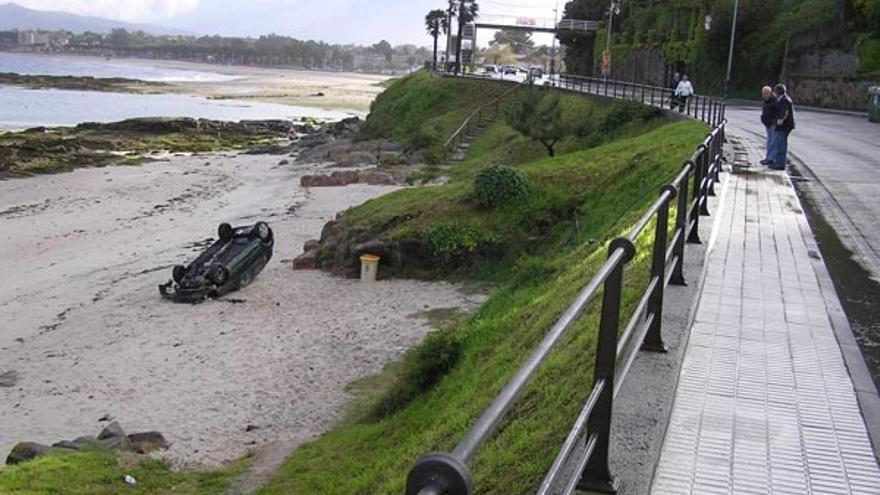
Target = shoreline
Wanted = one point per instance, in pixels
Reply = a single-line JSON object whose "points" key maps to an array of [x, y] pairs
{"points": [[293, 87]]}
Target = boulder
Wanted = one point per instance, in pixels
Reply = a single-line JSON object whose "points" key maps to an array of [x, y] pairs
{"points": [[85, 441], [306, 261], [375, 178], [66, 444], [25, 451], [311, 245], [148, 441], [389, 146], [111, 431], [340, 178]]}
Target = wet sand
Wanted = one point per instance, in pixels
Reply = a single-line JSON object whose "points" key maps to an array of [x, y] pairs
{"points": [[84, 332]]}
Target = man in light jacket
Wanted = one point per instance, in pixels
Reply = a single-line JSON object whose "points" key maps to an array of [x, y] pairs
{"points": [[768, 118], [683, 91]]}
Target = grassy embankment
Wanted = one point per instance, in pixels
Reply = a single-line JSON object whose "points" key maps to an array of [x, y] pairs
{"points": [[553, 242], [129, 142]]}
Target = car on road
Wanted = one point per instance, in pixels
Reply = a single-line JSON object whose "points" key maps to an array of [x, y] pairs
{"points": [[230, 263], [509, 70], [536, 73], [490, 69]]}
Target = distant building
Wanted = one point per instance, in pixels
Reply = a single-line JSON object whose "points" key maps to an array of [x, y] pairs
{"points": [[34, 38], [8, 38]]}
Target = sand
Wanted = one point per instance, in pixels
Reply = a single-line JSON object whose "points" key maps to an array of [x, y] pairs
{"points": [[340, 90], [84, 333]]}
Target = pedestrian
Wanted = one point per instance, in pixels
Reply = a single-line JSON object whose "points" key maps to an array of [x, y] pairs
{"points": [[673, 101], [768, 118], [784, 126], [683, 91]]}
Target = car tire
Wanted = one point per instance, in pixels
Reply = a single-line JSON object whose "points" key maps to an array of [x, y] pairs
{"points": [[178, 272], [225, 232], [219, 275], [262, 231]]}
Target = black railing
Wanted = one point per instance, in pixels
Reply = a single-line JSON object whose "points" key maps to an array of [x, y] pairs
{"points": [[488, 111], [586, 448]]}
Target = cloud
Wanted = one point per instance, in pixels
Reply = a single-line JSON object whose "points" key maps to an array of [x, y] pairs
{"points": [[125, 10]]}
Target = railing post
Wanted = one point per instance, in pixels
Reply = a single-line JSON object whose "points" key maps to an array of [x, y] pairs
{"points": [[694, 235], [439, 474], [643, 93], [681, 225], [654, 338], [597, 475], [704, 182]]}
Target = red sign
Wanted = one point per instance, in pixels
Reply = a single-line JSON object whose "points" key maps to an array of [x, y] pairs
{"points": [[525, 21]]}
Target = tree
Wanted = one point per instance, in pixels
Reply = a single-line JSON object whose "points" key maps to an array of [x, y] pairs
{"points": [[384, 48], [466, 11], [119, 37], [539, 116], [580, 44], [436, 23], [518, 40], [499, 55]]}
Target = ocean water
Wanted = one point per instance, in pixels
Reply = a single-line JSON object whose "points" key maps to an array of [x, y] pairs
{"points": [[50, 65], [21, 108]]}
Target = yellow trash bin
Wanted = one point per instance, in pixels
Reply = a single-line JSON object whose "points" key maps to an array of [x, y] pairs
{"points": [[369, 267]]}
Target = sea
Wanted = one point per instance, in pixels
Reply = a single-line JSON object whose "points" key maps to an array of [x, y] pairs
{"points": [[22, 108]]}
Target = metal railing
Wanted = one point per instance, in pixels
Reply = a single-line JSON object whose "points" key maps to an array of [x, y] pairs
{"points": [[488, 111], [586, 447]]}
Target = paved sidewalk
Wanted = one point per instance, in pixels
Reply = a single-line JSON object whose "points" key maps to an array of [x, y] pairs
{"points": [[764, 404]]}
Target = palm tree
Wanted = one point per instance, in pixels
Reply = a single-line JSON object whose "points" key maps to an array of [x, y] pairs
{"points": [[436, 23], [466, 11]]}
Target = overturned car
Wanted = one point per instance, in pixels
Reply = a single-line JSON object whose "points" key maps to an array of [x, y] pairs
{"points": [[230, 263]]}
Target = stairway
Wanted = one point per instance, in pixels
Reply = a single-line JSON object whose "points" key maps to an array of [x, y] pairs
{"points": [[473, 133]]}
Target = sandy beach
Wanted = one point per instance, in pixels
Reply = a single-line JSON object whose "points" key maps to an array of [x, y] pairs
{"points": [[84, 333]]}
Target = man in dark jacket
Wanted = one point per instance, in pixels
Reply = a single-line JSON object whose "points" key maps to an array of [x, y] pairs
{"points": [[768, 118], [784, 126]]}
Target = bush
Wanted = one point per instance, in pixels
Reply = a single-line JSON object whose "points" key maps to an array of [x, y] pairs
{"points": [[446, 239], [498, 185], [423, 367]]}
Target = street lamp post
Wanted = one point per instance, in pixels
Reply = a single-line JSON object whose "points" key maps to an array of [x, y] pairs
{"points": [[553, 45], [730, 53], [611, 9]]}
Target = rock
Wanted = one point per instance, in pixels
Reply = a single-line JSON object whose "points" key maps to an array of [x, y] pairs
{"points": [[318, 94], [389, 158], [85, 441], [65, 444], [113, 430], [8, 378], [354, 158], [105, 417], [389, 146], [340, 178], [311, 245], [148, 441], [375, 178], [306, 261], [284, 162], [115, 443], [25, 451]]}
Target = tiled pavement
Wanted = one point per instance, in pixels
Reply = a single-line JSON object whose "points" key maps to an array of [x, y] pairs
{"points": [[764, 404]]}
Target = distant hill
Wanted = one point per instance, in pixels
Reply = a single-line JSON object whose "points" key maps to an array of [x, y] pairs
{"points": [[13, 16]]}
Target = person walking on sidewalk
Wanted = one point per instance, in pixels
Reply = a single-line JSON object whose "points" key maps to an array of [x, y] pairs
{"points": [[673, 101], [768, 118], [784, 126], [683, 91]]}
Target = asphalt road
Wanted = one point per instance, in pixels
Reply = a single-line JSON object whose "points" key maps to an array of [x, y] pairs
{"points": [[836, 169]]}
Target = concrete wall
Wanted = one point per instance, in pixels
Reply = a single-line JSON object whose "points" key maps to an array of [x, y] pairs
{"points": [[830, 92]]}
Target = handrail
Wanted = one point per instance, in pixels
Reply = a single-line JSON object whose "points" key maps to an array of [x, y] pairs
{"points": [[478, 112], [448, 474]]}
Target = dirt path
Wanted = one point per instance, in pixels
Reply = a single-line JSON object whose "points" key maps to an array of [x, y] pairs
{"points": [[83, 332]]}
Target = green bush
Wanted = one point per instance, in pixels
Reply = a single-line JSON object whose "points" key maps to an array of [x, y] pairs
{"points": [[498, 185], [450, 238], [422, 368]]}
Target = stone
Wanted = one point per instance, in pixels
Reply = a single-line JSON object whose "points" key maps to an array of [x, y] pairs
{"points": [[115, 443], [8, 378], [340, 178], [306, 261], [375, 178], [85, 441], [111, 431], [284, 162], [66, 444], [26, 451], [311, 245], [148, 441]]}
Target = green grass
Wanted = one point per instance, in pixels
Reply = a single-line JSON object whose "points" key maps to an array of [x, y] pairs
{"points": [[98, 473], [603, 189]]}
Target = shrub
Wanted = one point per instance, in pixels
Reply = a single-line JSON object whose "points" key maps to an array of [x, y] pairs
{"points": [[422, 368], [498, 185], [446, 239]]}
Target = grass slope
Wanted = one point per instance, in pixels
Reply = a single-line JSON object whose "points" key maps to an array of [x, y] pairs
{"points": [[99, 473], [606, 186]]}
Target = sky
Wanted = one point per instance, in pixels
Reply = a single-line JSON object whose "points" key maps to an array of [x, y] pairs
{"points": [[334, 21]]}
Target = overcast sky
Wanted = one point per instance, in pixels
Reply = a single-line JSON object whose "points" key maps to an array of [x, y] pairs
{"points": [[335, 21]]}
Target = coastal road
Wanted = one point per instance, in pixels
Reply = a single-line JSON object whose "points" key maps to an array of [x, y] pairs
{"points": [[836, 168]]}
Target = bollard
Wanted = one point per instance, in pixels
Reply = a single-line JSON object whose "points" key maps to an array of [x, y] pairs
{"points": [[369, 267]]}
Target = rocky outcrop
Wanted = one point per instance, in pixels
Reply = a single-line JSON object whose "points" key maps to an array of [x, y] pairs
{"points": [[344, 178], [112, 438], [81, 83]]}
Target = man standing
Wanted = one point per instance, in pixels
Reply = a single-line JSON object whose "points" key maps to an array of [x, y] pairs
{"points": [[768, 118], [784, 126]]}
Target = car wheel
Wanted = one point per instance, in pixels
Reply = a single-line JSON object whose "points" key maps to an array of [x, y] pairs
{"points": [[225, 232], [219, 274], [263, 232], [178, 272]]}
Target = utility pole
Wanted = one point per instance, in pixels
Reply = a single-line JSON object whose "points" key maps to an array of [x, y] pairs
{"points": [[606, 57], [553, 44], [448, 34], [730, 53]]}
